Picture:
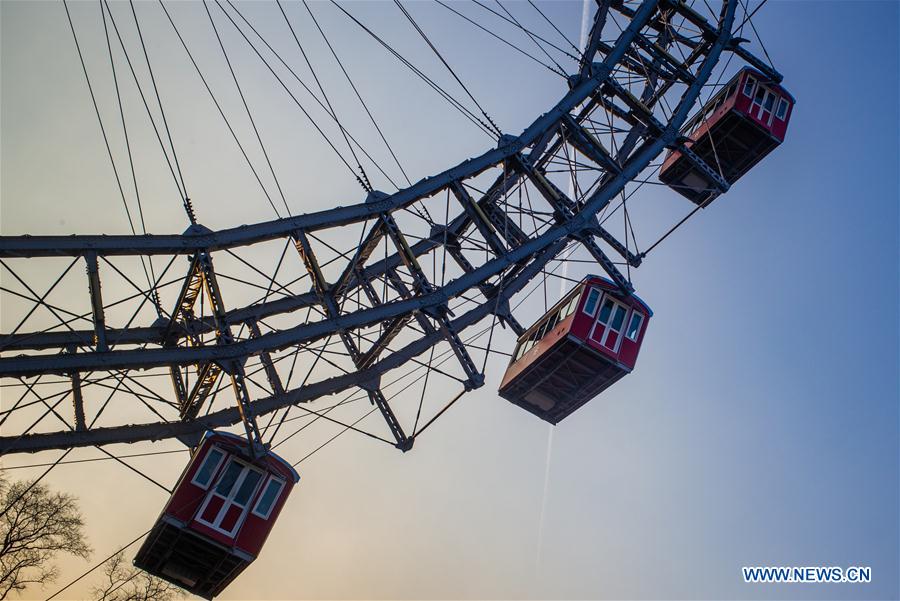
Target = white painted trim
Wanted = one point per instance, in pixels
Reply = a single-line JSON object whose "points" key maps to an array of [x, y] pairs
{"points": [[215, 470], [608, 327], [779, 113], [758, 110], [228, 501], [637, 334], [274, 500], [587, 299], [751, 81]]}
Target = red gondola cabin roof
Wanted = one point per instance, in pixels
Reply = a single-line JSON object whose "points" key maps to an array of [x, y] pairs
{"points": [[611, 285], [242, 442], [768, 82]]}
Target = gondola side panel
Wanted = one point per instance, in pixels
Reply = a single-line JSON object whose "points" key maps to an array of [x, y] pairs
{"points": [[186, 499], [628, 353], [256, 529], [560, 331]]}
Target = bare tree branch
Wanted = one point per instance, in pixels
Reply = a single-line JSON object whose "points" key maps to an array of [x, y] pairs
{"points": [[127, 583], [35, 525]]}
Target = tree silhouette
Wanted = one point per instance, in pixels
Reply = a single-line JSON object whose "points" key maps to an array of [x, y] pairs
{"points": [[127, 583], [36, 524]]}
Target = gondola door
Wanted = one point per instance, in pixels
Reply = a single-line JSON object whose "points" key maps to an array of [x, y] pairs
{"points": [[225, 505], [763, 104], [609, 323]]}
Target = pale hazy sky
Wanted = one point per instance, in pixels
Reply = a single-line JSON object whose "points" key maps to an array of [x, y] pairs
{"points": [[759, 428]]}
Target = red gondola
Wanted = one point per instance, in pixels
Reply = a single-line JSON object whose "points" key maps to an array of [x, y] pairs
{"points": [[583, 345], [219, 516], [739, 126]]}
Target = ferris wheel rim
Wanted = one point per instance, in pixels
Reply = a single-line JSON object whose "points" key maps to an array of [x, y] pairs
{"points": [[546, 245], [200, 238]]}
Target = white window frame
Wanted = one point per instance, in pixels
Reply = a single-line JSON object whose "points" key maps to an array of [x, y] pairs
{"points": [[215, 470], [751, 81], [551, 323], [274, 500], [527, 345], [520, 349], [758, 110], [771, 111], [782, 109], [608, 327], [620, 333], [228, 502], [637, 333], [756, 91], [570, 307], [587, 299], [561, 314]]}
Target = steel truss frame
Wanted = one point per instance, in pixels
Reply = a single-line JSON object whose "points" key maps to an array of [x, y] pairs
{"points": [[417, 310]]}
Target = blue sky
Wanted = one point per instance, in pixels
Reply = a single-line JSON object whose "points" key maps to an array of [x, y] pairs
{"points": [[759, 428]]}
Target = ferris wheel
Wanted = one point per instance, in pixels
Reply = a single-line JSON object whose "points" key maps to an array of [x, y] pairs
{"points": [[391, 301]]}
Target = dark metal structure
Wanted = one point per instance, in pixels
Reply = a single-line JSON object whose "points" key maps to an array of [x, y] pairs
{"points": [[435, 258]]}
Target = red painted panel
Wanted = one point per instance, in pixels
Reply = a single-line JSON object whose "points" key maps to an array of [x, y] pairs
{"points": [[185, 502], [212, 534], [231, 517], [212, 510], [581, 325], [611, 341], [255, 531], [187, 497], [597, 332], [629, 352]]}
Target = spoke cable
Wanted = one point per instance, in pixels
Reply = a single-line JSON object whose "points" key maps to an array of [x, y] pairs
{"points": [[102, 128], [531, 36], [137, 193], [510, 44], [365, 178], [553, 25], [443, 93], [437, 53], [513, 21], [92, 459], [183, 188], [356, 91], [308, 91], [249, 114], [216, 102], [99, 118], [293, 97], [87, 572]]}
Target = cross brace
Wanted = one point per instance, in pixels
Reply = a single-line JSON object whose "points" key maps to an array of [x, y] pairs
{"points": [[326, 296], [201, 278], [565, 209], [93, 273], [474, 378]]}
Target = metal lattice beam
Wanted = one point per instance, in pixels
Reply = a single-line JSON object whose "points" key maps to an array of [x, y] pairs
{"points": [[497, 243]]}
